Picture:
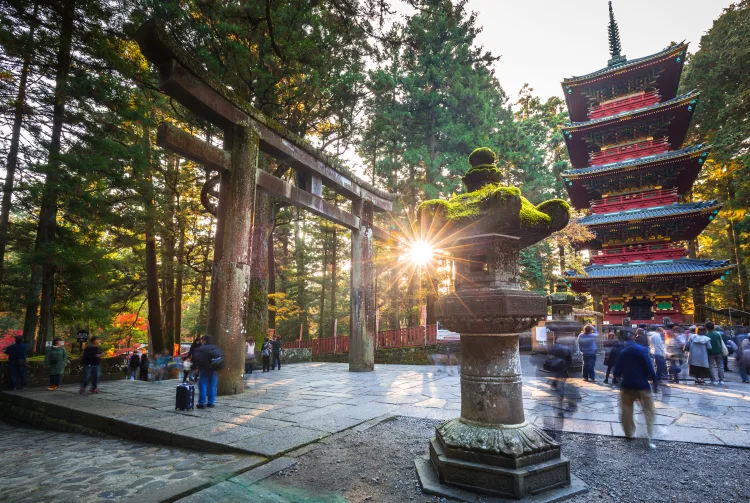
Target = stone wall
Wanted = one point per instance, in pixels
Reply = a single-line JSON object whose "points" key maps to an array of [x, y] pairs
{"points": [[37, 374], [449, 353], [296, 355]]}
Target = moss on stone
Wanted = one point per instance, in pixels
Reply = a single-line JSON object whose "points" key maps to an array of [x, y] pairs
{"points": [[482, 156], [468, 206], [531, 218]]}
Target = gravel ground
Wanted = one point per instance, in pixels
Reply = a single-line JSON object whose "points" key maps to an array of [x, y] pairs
{"points": [[378, 465], [46, 466]]}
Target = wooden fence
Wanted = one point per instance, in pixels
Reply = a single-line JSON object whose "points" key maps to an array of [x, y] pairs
{"points": [[387, 339]]}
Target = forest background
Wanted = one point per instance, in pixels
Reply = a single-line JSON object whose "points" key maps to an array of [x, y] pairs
{"points": [[102, 230]]}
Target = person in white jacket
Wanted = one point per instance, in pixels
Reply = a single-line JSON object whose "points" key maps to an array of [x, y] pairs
{"points": [[698, 346], [656, 343]]}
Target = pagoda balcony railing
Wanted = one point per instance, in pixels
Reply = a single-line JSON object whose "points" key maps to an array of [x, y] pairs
{"points": [[623, 254], [643, 199], [624, 104], [629, 151]]}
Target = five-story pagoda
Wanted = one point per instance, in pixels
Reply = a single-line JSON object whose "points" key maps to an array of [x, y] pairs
{"points": [[630, 168]]}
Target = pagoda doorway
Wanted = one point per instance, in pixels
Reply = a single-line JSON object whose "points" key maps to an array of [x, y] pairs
{"points": [[641, 308]]}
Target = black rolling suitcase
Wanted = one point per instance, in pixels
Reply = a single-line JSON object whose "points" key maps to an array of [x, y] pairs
{"points": [[185, 397]]}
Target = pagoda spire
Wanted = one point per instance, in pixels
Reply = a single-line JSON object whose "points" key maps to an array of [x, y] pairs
{"points": [[614, 40]]}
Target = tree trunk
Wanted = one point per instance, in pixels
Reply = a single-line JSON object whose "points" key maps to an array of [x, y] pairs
{"points": [[180, 277], [299, 259], [324, 270], [256, 311], [168, 254], [741, 299], [271, 264], [334, 273], [699, 293], [394, 281], [48, 209], [11, 163]]}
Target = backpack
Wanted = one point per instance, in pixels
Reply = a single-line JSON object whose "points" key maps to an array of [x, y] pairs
{"points": [[266, 349], [216, 359]]}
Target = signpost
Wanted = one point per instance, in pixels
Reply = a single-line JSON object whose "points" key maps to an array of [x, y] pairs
{"points": [[82, 336]]}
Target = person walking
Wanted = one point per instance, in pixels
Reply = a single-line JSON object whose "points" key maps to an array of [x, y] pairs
{"points": [[675, 341], [697, 347], [743, 359], [55, 359], [209, 359], [265, 353], [634, 369], [715, 354], [17, 362], [162, 366], [276, 352], [92, 356], [143, 368], [134, 363], [614, 353], [249, 355], [587, 346], [656, 343]]}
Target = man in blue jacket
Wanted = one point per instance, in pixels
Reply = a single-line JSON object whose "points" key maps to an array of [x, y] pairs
{"points": [[587, 345], [17, 362], [633, 369]]}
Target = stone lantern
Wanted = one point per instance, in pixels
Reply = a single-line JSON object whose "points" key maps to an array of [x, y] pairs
{"points": [[491, 448]]}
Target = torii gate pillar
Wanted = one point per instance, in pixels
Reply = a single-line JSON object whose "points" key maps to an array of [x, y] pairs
{"points": [[231, 269], [362, 301]]}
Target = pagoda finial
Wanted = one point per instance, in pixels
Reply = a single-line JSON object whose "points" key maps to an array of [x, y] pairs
{"points": [[614, 40]]}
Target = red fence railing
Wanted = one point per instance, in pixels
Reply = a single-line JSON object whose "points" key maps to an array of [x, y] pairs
{"points": [[387, 339]]}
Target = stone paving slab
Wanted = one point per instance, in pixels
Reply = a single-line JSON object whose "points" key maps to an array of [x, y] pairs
{"points": [[284, 410]]}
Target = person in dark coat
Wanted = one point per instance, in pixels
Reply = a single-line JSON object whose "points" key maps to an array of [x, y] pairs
{"points": [[614, 353], [194, 374], [17, 362], [208, 382], [276, 350], [144, 367], [134, 363], [92, 356], [634, 369]]}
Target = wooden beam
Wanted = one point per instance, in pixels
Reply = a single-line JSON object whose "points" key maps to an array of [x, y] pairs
{"points": [[198, 92], [190, 147]]}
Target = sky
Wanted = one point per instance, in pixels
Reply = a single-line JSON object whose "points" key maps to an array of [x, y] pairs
{"points": [[543, 41]]}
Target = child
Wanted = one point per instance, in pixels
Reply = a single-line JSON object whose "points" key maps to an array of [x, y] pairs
{"points": [[186, 370], [56, 359]]}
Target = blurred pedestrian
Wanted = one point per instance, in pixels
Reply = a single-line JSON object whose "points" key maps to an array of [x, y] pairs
{"points": [[656, 344], [743, 360], [634, 369], [162, 366], [209, 359], [276, 352], [731, 348], [614, 353], [265, 353], [715, 354], [92, 356], [55, 359], [143, 368], [587, 346], [698, 347], [673, 344], [193, 346], [17, 362], [249, 354], [134, 363]]}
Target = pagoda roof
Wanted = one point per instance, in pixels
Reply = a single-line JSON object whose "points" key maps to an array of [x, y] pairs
{"points": [[676, 169], [672, 210], [668, 61], [671, 275], [652, 268], [680, 110]]}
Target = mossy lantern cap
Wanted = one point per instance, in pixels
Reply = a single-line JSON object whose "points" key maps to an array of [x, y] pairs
{"points": [[488, 207]]}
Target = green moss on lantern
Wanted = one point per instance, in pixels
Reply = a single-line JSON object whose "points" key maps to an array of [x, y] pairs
{"points": [[482, 156]]}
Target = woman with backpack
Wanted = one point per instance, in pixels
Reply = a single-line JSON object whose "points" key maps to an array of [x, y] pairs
{"points": [[56, 359]]}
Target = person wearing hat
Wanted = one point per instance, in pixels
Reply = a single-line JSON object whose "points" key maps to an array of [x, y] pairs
{"points": [[634, 369]]}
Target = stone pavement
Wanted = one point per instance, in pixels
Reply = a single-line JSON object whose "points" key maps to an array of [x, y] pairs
{"points": [[284, 410], [44, 466]]}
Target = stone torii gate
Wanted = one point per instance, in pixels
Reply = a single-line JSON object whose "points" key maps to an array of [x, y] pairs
{"points": [[247, 132]]}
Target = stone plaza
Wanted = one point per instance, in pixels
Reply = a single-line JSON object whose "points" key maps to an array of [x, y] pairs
{"points": [[284, 411]]}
